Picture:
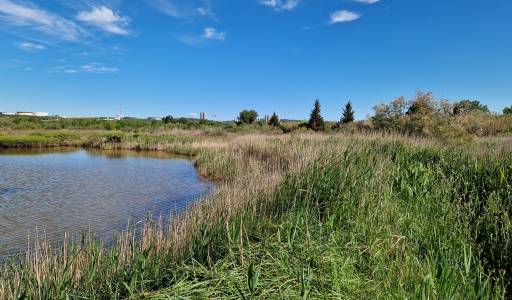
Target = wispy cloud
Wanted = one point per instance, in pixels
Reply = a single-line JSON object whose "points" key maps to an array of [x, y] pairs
{"points": [[367, 1], [343, 16], [30, 47], [210, 33], [281, 5], [99, 69], [105, 19], [26, 14], [184, 8], [91, 68], [165, 7]]}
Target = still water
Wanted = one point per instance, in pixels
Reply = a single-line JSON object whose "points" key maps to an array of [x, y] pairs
{"points": [[76, 191]]}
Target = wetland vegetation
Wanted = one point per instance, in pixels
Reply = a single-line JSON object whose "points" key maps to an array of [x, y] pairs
{"points": [[405, 205]]}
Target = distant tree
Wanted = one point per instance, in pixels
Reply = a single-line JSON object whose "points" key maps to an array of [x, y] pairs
{"points": [[446, 107], [398, 107], [247, 116], [466, 106], [383, 117], [167, 119], [274, 121], [316, 122], [423, 104], [507, 110], [348, 114]]}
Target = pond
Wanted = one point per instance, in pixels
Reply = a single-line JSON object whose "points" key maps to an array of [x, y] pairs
{"points": [[52, 192]]}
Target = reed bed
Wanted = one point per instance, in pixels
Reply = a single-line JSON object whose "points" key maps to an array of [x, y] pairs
{"points": [[304, 216]]}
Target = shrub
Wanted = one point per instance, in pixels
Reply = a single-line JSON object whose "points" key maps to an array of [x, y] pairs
{"points": [[426, 116]]}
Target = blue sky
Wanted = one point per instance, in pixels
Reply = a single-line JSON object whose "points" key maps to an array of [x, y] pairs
{"points": [[181, 57]]}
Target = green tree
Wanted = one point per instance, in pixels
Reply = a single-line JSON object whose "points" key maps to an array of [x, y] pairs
{"points": [[167, 119], [507, 110], [274, 121], [316, 122], [348, 114], [247, 116], [466, 106]]}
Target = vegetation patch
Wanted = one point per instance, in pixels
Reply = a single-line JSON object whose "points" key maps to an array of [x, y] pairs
{"points": [[306, 216]]}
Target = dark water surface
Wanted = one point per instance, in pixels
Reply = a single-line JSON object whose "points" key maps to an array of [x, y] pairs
{"points": [[75, 191]]}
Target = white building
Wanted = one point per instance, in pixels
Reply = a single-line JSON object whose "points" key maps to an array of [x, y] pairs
{"points": [[26, 114], [32, 114]]}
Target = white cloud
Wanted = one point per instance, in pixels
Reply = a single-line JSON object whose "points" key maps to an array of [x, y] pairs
{"points": [[28, 15], [209, 34], [367, 1], [105, 19], [343, 16], [281, 5], [91, 68], [184, 8], [206, 11], [98, 69], [213, 34], [28, 46]]}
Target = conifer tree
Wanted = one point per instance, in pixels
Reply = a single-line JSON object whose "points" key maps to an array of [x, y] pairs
{"points": [[316, 122], [274, 120], [348, 114]]}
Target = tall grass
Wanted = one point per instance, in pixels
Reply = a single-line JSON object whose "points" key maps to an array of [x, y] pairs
{"points": [[306, 216], [39, 139]]}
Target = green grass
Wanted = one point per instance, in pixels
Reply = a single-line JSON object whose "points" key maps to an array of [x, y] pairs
{"points": [[39, 139], [387, 222], [364, 218]]}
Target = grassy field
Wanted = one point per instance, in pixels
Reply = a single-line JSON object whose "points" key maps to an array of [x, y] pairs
{"points": [[298, 216]]}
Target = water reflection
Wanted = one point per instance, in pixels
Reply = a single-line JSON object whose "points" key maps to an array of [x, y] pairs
{"points": [[121, 154], [76, 191], [36, 151]]}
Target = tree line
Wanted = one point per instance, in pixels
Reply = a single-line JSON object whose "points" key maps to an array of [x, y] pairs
{"points": [[423, 114], [316, 121]]}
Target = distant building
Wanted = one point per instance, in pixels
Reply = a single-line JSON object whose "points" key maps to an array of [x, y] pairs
{"points": [[7, 113], [25, 114], [202, 116], [32, 114], [267, 119]]}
